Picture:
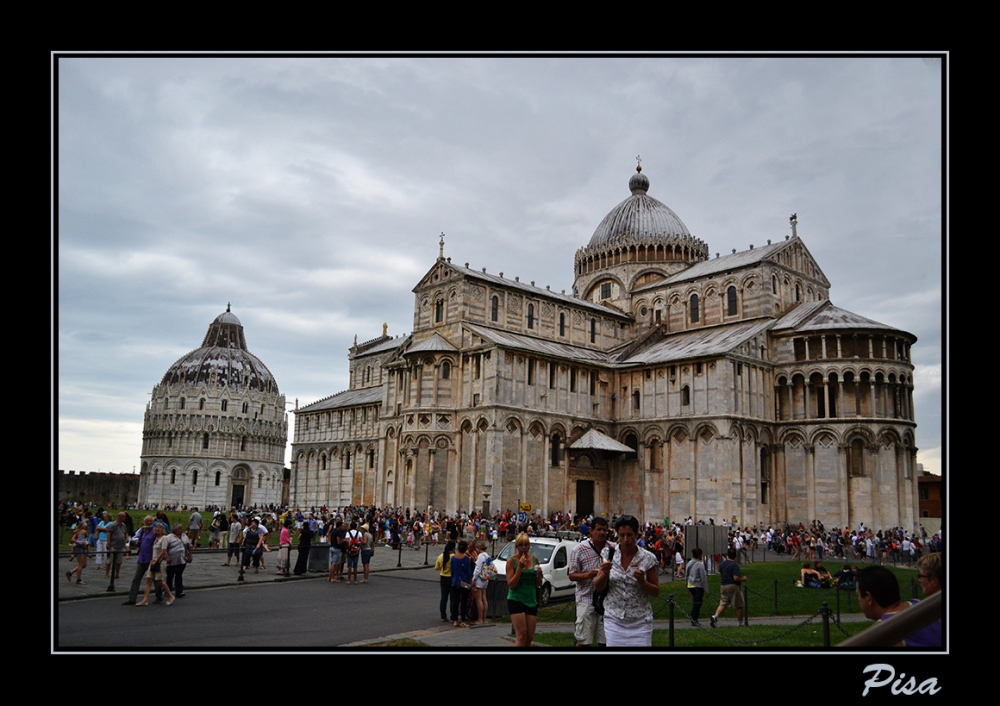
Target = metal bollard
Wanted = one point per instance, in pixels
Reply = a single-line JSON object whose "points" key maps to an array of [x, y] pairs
{"points": [[670, 613], [825, 612]]}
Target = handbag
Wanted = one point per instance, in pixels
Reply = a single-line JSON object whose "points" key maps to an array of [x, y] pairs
{"points": [[489, 571], [155, 566], [465, 585]]}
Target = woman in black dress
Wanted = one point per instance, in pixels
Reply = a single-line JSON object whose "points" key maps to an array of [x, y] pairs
{"points": [[305, 542]]}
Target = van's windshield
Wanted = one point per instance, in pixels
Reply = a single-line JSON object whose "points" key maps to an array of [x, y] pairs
{"points": [[543, 552]]}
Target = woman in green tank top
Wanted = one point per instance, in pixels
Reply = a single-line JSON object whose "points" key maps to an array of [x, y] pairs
{"points": [[523, 575]]}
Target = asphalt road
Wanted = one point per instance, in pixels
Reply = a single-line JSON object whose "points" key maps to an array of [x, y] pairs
{"points": [[289, 615]]}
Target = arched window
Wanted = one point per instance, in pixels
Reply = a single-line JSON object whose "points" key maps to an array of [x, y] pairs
{"points": [[260, 480], [371, 458], [173, 475], [182, 403], [218, 478], [531, 316], [798, 294], [593, 330], [856, 457], [225, 405], [774, 284], [556, 445], [194, 478], [562, 324], [495, 309], [636, 401], [244, 408], [201, 403], [685, 395], [731, 301], [445, 370], [156, 475], [694, 309], [204, 440], [439, 311], [347, 460], [243, 443]]}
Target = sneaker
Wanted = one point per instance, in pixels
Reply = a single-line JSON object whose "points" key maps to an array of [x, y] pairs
{"points": [[713, 621], [695, 624]]}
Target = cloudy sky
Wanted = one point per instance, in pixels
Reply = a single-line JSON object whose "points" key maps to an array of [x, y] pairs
{"points": [[311, 193]]}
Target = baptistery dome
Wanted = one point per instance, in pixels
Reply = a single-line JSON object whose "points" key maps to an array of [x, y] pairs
{"points": [[223, 360]]}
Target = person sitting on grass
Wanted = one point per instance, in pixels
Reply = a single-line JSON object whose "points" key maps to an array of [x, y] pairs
{"points": [[844, 579], [809, 577]]}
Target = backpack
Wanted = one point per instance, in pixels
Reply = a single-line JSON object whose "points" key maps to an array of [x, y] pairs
{"points": [[353, 544]]}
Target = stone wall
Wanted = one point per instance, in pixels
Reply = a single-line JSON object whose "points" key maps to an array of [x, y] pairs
{"points": [[101, 488]]}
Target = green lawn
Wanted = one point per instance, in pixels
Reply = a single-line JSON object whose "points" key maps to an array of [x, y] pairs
{"points": [[182, 516], [765, 581], [732, 638]]}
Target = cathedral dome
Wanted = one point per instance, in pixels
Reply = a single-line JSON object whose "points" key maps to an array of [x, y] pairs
{"points": [[222, 360], [640, 217]]}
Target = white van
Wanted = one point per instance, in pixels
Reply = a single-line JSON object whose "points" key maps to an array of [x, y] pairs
{"points": [[552, 549]]}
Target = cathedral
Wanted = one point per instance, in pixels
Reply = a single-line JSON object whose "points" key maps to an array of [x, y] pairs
{"points": [[668, 384], [215, 428]]}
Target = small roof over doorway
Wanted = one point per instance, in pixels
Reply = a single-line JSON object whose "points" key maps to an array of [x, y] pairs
{"points": [[594, 439]]}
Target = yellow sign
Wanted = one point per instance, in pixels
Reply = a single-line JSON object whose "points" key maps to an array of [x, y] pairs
{"points": [[524, 507]]}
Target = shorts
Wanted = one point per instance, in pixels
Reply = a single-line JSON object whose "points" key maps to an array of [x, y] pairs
{"points": [[352, 561], [335, 556], [731, 596], [234, 549], [515, 607], [366, 556], [589, 625]]}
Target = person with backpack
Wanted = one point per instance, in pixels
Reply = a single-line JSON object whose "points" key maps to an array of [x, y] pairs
{"points": [[353, 540], [118, 536], [482, 573]]}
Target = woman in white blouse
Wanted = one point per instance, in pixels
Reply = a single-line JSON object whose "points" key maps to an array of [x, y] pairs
{"points": [[631, 576]]}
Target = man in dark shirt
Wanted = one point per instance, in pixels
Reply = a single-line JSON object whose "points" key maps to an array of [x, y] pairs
{"points": [[337, 533], [731, 578]]}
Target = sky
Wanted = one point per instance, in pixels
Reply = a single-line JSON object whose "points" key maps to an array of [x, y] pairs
{"points": [[310, 192]]}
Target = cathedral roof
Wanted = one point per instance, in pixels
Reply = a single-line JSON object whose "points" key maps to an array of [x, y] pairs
{"points": [[600, 441], [735, 261], [532, 291], [347, 398], [433, 344], [386, 343], [222, 360], [709, 341], [824, 316], [640, 216], [540, 346]]}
